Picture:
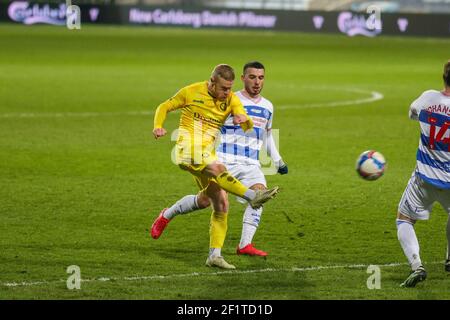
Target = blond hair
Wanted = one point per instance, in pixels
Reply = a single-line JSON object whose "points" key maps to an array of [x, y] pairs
{"points": [[223, 71]]}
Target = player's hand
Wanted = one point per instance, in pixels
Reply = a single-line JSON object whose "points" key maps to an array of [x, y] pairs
{"points": [[282, 167], [244, 121], [159, 132], [239, 118]]}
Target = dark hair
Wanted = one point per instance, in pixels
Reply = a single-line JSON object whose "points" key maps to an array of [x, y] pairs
{"points": [[223, 71], [253, 64], [446, 74]]}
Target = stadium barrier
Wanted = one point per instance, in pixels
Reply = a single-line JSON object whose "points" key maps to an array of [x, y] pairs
{"points": [[346, 22]]}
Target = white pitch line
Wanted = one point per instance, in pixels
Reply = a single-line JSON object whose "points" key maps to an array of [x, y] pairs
{"points": [[206, 274], [374, 96], [75, 114]]}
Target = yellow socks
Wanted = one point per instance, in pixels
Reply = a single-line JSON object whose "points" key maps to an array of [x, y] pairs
{"points": [[218, 229], [230, 184]]}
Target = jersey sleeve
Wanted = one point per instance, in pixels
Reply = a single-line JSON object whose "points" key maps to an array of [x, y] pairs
{"points": [[238, 108], [270, 121], [271, 148], [176, 102], [417, 106]]}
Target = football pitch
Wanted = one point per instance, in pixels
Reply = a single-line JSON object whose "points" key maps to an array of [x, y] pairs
{"points": [[82, 178]]}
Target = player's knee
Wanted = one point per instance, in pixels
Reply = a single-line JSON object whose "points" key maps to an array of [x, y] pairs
{"points": [[215, 169], [258, 186], [225, 206], [221, 205]]}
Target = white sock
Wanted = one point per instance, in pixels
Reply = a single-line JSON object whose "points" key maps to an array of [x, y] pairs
{"points": [[249, 194], [448, 238], [249, 226], [184, 205], [408, 241], [248, 231], [215, 252]]}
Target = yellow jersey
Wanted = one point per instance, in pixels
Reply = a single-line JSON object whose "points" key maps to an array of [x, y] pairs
{"points": [[202, 117]]}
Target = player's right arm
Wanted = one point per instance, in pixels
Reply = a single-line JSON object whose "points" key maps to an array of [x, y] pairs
{"points": [[176, 102]]}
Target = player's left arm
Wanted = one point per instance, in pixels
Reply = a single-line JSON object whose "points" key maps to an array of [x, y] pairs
{"points": [[416, 106], [240, 117], [272, 150]]}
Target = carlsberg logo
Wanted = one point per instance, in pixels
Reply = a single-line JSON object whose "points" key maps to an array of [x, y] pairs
{"points": [[22, 11], [354, 24]]}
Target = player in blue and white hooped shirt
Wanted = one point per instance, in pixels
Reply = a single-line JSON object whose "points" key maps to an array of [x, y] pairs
{"points": [[240, 151], [430, 181]]}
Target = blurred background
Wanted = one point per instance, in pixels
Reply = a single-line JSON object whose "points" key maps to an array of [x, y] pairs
{"points": [[406, 6], [400, 17], [82, 177]]}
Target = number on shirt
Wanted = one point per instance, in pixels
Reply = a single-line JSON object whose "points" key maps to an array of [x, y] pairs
{"points": [[439, 137]]}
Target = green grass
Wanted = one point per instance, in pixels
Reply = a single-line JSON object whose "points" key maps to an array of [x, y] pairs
{"points": [[83, 190]]}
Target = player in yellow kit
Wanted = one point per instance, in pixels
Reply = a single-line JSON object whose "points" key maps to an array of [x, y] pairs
{"points": [[204, 108]]}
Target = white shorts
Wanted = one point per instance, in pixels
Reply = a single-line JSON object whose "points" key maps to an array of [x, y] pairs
{"points": [[248, 175], [419, 196]]}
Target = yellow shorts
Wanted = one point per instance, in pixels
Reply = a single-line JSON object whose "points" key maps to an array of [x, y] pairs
{"points": [[201, 179], [195, 167]]}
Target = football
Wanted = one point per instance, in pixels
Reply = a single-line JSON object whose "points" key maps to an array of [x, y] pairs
{"points": [[370, 165]]}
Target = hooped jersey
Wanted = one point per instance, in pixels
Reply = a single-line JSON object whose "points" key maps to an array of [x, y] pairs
{"points": [[432, 109], [238, 147]]}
